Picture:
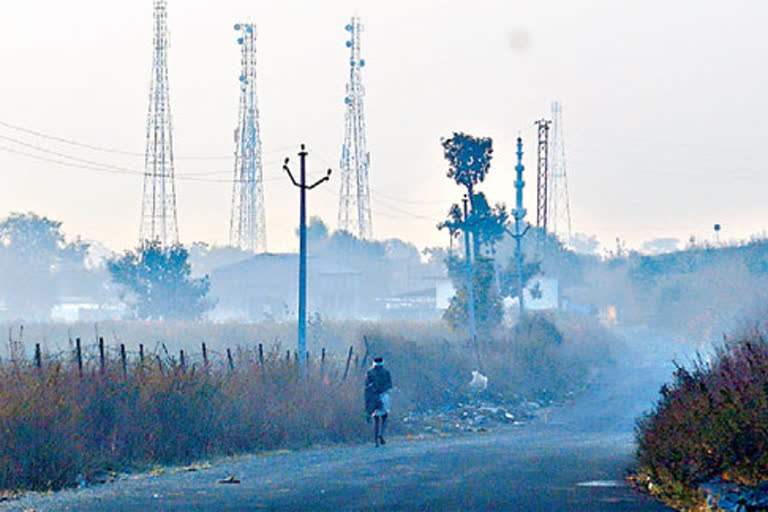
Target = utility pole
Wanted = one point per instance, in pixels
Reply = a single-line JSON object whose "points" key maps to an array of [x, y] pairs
{"points": [[303, 187], [470, 277], [519, 214]]}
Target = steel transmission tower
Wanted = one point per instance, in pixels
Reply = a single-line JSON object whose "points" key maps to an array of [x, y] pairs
{"points": [[247, 227], [355, 194], [158, 207], [559, 203], [542, 185]]}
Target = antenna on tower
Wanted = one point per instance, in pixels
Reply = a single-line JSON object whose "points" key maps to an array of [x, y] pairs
{"points": [[559, 202], [542, 174], [247, 227], [355, 194], [158, 207]]}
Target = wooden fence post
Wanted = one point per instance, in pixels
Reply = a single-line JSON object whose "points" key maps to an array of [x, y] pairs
{"points": [[205, 355], [38, 357], [367, 350], [181, 359], [141, 354], [231, 362], [124, 359], [322, 363], [349, 359], [79, 355], [102, 360], [261, 355]]}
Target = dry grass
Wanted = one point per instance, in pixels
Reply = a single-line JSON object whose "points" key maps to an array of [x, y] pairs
{"points": [[59, 426]]}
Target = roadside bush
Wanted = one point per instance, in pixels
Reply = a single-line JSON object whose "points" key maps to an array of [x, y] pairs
{"points": [[711, 420], [59, 428], [542, 358]]}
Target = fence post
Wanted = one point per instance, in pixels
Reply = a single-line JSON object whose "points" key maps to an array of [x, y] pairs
{"points": [[123, 359], [367, 350], [205, 355], [101, 354], [261, 355], [141, 354], [79, 354], [231, 362], [38, 357], [349, 359], [288, 356], [322, 363], [181, 359]]}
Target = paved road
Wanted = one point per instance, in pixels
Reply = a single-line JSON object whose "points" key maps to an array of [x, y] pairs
{"points": [[574, 461]]}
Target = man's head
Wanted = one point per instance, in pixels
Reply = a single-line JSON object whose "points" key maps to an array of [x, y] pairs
{"points": [[378, 360]]}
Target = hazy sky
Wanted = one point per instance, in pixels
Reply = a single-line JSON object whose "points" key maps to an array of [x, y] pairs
{"points": [[664, 106]]}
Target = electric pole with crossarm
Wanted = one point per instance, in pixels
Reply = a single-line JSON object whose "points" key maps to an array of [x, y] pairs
{"points": [[303, 187]]}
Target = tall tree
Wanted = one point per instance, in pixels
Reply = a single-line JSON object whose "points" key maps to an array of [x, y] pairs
{"points": [[159, 284], [469, 161], [469, 158], [488, 310], [488, 224]]}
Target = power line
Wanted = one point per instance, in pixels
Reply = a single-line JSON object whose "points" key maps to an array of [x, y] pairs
{"points": [[69, 164], [396, 199], [83, 164], [399, 213], [117, 151]]}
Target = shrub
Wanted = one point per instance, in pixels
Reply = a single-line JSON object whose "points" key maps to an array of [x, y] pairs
{"points": [[59, 427], [711, 420]]}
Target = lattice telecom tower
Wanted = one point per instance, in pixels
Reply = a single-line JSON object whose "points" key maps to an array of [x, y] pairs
{"points": [[542, 186], [559, 209], [158, 207], [247, 227], [355, 195]]}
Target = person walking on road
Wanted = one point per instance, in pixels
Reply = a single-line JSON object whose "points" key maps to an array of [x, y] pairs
{"points": [[378, 382]]}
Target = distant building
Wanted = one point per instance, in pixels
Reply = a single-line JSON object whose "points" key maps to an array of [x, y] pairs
{"points": [[540, 294], [444, 291], [266, 287], [80, 309]]}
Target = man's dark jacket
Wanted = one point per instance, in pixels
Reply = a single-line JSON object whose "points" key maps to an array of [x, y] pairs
{"points": [[377, 381]]}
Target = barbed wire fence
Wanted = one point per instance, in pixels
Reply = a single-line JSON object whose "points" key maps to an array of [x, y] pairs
{"points": [[119, 359]]}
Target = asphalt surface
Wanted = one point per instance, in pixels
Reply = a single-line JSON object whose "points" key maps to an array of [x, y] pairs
{"points": [[572, 459]]}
